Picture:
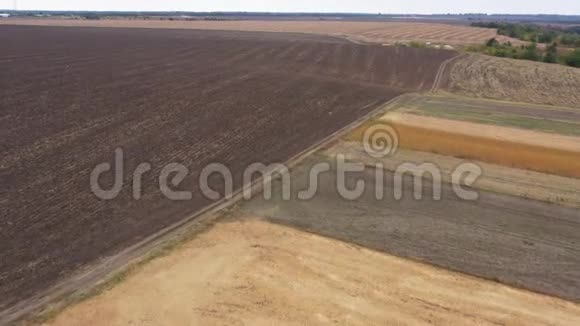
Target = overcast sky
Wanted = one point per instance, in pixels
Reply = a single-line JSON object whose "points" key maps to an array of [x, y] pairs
{"points": [[570, 7]]}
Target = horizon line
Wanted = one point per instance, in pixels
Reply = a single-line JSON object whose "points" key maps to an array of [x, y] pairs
{"points": [[292, 12]]}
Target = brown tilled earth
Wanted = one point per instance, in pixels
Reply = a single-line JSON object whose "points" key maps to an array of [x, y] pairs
{"points": [[477, 75], [374, 32], [71, 96]]}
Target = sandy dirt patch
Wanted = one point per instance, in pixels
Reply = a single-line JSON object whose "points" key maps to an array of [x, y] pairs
{"points": [[251, 272]]}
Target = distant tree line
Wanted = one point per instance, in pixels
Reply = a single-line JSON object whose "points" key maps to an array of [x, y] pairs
{"points": [[551, 54], [91, 16], [568, 37]]}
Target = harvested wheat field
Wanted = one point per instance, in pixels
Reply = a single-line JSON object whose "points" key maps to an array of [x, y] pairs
{"points": [[521, 135], [524, 136], [71, 96], [247, 271], [372, 32], [524, 149], [477, 75]]}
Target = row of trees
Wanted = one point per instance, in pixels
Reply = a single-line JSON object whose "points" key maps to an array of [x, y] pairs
{"points": [[551, 54], [569, 37]]}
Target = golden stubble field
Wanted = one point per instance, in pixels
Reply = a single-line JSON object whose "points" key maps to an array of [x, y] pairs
{"points": [[523, 149], [372, 32]]}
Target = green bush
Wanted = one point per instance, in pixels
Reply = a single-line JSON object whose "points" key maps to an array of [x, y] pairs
{"points": [[572, 59], [530, 52], [415, 44], [91, 17], [536, 33], [551, 55]]}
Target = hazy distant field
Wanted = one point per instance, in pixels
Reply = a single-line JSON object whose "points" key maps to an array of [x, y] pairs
{"points": [[375, 32]]}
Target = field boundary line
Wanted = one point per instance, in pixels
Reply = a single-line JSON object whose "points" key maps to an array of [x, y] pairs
{"points": [[441, 71], [83, 282]]}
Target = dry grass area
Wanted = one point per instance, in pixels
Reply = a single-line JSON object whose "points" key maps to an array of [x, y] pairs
{"points": [[478, 75], [495, 178], [246, 271], [375, 32], [544, 118]]}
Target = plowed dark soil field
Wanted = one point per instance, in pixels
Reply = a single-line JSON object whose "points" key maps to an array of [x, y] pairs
{"points": [[70, 96]]}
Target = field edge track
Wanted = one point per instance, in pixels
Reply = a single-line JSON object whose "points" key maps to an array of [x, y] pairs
{"points": [[442, 69], [81, 284]]}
